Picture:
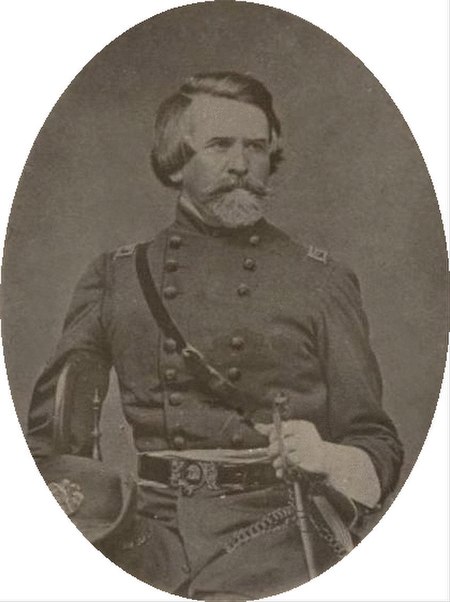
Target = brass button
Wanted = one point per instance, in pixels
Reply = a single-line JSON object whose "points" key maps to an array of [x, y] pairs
{"points": [[243, 290], [170, 345], [249, 264], [234, 374], [254, 240], [179, 442], [175, 399], [237, 439], [171, 265], [175, 242], [170, 374], [170, 292], [237, 343]]}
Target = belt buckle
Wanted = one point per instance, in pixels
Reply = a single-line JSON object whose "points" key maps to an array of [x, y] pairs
{"points": [[188, 476]]}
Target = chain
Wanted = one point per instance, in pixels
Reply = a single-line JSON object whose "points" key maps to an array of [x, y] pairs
{"points": [[273, 521], [279, 519]]}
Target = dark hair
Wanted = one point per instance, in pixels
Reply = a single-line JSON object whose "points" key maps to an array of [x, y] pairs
{"points": [[170, 150]]}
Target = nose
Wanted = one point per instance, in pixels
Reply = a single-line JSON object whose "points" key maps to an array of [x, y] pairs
{"points": [[237, 161]]}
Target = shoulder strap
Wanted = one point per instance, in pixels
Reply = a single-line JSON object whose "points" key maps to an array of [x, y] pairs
{"points": [[154, 301]]}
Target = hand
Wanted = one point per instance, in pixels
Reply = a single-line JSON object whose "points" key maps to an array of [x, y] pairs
{"points": [[304, 447]]}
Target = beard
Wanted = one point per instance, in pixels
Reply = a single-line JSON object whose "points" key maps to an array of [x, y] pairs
{"points": [[235, 209], [235, 204]]}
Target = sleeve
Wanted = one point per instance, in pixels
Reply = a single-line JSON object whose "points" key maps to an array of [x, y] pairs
{"points": [[82, 332], [353, 378]]}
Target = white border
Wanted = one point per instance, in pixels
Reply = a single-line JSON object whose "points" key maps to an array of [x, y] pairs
{"points": [[43, 46]]}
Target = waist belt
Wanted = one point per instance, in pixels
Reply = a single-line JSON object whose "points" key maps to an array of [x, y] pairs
{"points": [[188, 475]]}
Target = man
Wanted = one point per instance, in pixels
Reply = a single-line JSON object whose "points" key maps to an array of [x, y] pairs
{"points": [[233, 502]]}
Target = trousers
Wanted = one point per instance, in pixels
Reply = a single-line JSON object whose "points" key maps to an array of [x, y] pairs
{"points": [[236, 544]]}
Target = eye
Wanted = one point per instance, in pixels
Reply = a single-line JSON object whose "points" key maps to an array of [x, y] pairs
{"points": [[257, 145], [219, 144]]}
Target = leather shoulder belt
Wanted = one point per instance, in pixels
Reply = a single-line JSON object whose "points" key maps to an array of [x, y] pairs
{"points": [[221, 387]]}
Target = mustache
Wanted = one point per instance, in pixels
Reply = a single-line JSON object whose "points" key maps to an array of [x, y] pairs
{"points": [[248, 183]]}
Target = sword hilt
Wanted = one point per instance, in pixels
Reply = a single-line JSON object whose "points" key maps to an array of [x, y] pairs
{"points": [[293, 476], [279, 408], [96, 432]]}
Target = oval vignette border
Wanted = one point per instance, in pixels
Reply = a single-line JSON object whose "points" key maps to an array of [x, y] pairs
{"points": [[311, 591]]}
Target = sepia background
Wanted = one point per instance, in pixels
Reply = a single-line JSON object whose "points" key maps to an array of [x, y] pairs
{"points": [[412, 62], [353, 181]]}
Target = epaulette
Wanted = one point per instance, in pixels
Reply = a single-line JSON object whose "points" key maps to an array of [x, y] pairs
{"points": [[318, 254], [124, 251]]}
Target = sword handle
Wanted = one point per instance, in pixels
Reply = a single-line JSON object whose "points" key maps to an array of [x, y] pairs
{"points": [[279, 404], [303, 524], [96, 432]]}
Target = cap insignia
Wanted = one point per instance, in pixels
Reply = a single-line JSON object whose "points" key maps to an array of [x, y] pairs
{"points": [[67, 494], [318, 254]]}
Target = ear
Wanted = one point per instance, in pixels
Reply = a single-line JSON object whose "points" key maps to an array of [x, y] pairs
{"points": [[275, 142], [188, 152]]}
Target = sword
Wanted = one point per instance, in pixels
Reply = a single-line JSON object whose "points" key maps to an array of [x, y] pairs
{"points": [[279, 404]]}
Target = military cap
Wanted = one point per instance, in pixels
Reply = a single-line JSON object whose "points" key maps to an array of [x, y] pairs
{"points": [[98, 500]]}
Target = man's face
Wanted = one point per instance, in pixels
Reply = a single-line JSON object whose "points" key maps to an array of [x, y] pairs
{"points": [[226, 178]]}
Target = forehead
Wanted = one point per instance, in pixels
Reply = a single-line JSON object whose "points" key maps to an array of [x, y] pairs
{"points": [[212, 117]]}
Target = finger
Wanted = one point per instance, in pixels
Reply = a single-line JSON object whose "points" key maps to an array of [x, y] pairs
{"points": [[277, 463], [274, 444], [304, 441], [296, 444], [292, 426], [264, 429], [299, 427], [289, 434], [273, 451]]}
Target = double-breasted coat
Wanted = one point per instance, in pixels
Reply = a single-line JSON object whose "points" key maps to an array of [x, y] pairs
{"points": [[273, 317]]}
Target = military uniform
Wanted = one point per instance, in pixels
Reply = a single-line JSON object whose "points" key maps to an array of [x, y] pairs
{"points": [[273, 317]]}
